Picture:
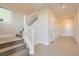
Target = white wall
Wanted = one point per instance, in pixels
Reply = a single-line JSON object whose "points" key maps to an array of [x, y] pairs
{"points": [[77, 27], [40, 27], [52, 25], [12, 27], [5, 26], [44, 27], [17, 21]]}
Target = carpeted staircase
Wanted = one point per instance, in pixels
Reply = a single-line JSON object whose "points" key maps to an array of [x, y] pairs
{"points": [[13, 46]]}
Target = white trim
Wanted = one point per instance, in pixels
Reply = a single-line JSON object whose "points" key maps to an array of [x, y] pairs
{"points": [[29, 45], [51, 41], [41, 43]]}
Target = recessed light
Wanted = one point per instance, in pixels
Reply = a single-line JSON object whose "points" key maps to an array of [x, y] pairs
{"points": [[63, 6]]}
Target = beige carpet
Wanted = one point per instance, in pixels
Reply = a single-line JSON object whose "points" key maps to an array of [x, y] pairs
{"points": [[62, 46], [40, 50]]}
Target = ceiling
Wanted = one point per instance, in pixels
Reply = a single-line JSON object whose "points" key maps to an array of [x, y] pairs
{"points": [[69, 11], [27, 8]]}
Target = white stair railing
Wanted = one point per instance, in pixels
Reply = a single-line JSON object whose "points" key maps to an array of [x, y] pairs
{"points": [[28, 36]]}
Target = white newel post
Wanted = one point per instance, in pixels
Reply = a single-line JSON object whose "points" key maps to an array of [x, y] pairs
{"points": [[28, 41]]}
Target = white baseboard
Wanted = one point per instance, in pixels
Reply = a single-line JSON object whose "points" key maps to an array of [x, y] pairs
{"points": [[45, 43]]}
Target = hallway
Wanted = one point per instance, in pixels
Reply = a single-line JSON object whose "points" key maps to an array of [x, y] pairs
{"points": [[62, 46]]}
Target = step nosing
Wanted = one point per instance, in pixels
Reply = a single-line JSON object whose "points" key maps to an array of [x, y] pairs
{"points": [[2, 41], [19, 53]]}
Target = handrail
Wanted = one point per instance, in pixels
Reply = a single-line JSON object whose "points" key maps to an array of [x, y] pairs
{"points": [[33, 21]]}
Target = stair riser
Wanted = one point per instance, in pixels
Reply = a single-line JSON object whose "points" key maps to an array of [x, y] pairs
{"points": [[11, 44], [12, 51]]}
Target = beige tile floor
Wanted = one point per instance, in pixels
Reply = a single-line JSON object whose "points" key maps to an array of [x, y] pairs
{"points": [[62, 46]]}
